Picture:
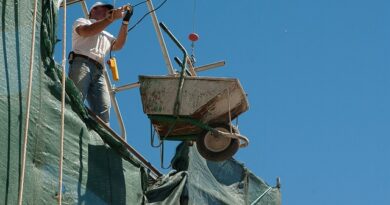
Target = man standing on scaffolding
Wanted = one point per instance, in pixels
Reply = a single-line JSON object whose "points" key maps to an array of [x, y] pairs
{"points": [[91, 43]]}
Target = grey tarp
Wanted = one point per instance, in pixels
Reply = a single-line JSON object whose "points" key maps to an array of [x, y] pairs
{"points": [[98, 169], [207, 182]]}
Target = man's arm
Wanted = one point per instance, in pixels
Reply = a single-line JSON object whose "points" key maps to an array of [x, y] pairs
{"points": [[93, 29], [118, 44], [99, 26], [121, 39]]}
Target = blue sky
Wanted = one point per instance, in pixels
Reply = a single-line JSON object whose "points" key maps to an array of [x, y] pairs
{"points": [[318, 82]]}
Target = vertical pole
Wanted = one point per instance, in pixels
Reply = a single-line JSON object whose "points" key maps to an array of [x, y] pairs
{"points": [[160, 38], [85, 9], [114, 103]]}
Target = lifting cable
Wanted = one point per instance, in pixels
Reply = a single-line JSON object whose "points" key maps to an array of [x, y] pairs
{"points": [[62, 107], [28, 104], [193, 16], [230, 112], [153, 135], [143, 17], [193, 36]]}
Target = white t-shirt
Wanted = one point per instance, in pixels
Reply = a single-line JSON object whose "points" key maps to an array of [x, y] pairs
{"points": [[95, 47]]}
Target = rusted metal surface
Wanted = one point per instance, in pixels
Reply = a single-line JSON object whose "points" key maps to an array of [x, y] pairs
{"points": [[206, 99], [163, 128], [158, 94]]}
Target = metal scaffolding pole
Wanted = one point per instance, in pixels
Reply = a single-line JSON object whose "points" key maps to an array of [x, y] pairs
{"points": [[164, 50]]}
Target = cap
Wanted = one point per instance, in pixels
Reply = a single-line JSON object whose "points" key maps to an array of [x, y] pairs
{"points": [[99, 3]]}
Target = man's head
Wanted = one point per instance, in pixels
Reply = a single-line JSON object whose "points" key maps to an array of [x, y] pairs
{"points": [[99, 10]]}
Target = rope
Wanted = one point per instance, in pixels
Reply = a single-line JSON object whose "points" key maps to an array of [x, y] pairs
{"points": [[152, 136], [230, 114], [193, 16], [261, 196], [62, 107], [28, 103], [162, 157], [193, 30]]}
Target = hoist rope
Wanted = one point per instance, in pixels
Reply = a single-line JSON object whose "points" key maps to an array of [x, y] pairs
{"points": [[230, 112], [193, 16], [193, 31], [28, 103], [142, 2], [62, 107]]}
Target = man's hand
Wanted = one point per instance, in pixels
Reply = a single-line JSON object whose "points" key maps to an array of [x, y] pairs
{"points": [[115, 14], [128, 7], [129, 13]]}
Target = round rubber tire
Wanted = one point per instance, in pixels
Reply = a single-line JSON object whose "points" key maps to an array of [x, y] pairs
{"points": [[225, 154]]}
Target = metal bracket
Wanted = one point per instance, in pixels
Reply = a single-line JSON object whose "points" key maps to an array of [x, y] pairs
{"points": [[126, 87]]}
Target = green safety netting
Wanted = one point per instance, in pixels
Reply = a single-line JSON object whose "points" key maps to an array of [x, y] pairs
{"points": [[98, 168], [205, 182]]}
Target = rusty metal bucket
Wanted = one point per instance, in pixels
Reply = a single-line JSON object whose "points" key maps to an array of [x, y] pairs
{"points": [[193, 111], [204, 98]]}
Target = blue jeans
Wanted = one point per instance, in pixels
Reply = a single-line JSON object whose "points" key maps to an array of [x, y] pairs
{"points": [[89, 79]]}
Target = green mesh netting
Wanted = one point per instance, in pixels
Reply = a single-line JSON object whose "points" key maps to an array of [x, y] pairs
{"points": [[97, 168], [207, 182]]}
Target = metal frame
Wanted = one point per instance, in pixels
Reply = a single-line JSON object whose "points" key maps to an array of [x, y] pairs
{"points": [[164, 49], [209, 66], [173, 119], [114, 102]]}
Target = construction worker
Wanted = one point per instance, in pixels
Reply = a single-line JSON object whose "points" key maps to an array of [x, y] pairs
{"points": [[90, 44]]}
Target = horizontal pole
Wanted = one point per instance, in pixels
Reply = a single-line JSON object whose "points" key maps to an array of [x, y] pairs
{"points": [[83, 5], [127, 87], [210, 66]]}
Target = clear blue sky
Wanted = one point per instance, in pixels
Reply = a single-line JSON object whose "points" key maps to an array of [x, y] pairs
{"points": [[318, 81]]}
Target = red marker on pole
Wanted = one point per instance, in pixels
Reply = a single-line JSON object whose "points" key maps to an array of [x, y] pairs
{"points": [[193, 37]]}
